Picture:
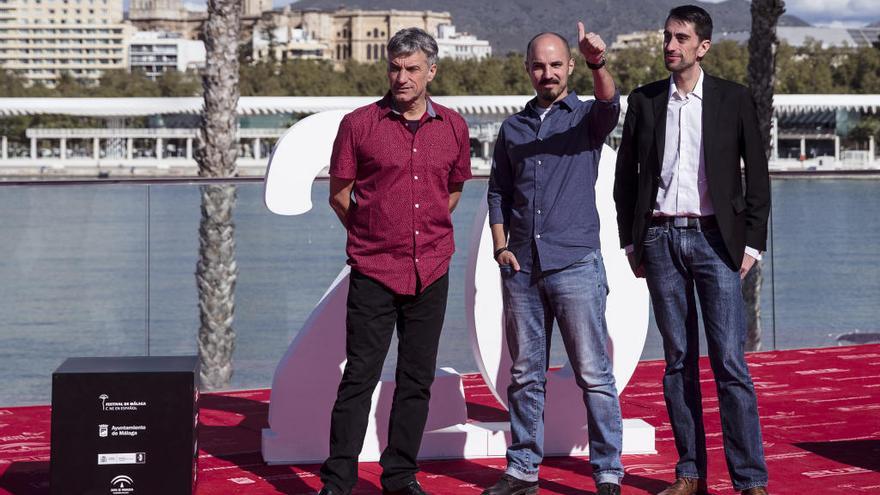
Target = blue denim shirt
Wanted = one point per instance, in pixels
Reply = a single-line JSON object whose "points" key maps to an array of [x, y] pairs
{"points": [[542, 184]]}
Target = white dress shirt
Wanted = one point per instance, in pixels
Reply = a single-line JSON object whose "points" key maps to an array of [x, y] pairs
{"points": [[684, 190]]}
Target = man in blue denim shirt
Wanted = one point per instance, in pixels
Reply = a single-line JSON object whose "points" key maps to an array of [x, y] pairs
{"points": [[545, 227]]}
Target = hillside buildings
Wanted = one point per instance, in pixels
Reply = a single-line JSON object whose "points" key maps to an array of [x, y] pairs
{"points": [[462, 46], [358, 35], [42, 39], [171, 16]]}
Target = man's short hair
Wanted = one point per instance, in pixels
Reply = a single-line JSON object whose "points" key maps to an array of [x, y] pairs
{"points": [[550, 33], [411, 40], [701, 19]]}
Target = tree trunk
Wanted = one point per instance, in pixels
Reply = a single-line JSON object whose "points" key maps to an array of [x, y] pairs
{"points": [[761, 77], [216, 270]]}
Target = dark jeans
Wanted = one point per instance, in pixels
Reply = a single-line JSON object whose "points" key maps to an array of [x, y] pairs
{"points": [[681, 263], [372, 312]]}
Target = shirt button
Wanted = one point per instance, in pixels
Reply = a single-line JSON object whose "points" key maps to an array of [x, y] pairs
{"points": [[537, 236], [417, 260], [415, 177], [417, 205], [539, 212], [539, 162], [417, 232], [414, 150]]}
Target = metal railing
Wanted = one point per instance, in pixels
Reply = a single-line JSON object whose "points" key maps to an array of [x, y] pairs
{"points": [[106, 267]]}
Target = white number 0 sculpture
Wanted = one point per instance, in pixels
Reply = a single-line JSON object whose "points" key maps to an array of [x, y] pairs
{"points": [[306, 379]]}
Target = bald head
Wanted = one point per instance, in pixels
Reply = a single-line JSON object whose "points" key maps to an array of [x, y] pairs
{"points": [[549, 63], [544, 38]]}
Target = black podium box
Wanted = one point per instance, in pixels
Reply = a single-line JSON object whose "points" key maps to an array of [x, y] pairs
{"points": [[125, 426]]}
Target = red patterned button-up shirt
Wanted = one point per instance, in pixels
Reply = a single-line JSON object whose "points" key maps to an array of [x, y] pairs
{"points": [[399, 225]]}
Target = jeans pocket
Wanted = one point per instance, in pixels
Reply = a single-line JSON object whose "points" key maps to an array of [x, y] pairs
{"points": [[653, 234], [506, 271]]}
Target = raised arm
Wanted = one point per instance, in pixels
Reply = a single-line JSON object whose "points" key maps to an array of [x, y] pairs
{"points": [[606, 109]]}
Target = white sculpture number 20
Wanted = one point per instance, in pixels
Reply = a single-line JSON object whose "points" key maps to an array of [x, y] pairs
{"points": [[306, 379]]}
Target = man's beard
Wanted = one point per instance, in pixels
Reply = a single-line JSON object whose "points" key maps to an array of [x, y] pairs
{"points": [[550, 94]]}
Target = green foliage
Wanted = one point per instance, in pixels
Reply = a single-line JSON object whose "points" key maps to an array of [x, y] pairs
{"points": [[806, 70], [174, 83], [867, 127], [636, 67], [727, 60]]}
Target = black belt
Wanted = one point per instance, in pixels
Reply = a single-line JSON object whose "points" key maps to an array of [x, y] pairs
{"points": [[702, 223]]}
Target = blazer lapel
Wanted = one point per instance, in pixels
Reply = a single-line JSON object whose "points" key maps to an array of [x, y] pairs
{"points": [[711, 104], [661, 100]]}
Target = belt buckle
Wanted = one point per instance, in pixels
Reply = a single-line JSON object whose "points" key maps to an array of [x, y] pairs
{"points": [[680, 222]]}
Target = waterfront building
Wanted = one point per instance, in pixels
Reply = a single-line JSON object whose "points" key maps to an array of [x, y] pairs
{"points": [[156, 52], [810, 132], [41, 39], [796, 36], [827, 37], [460, 46]]}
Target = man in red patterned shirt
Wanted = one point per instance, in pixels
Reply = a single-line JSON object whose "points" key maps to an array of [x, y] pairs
{"points": [[396, 174]]}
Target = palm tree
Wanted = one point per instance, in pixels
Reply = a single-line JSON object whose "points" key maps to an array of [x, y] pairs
{"points": [[761, 76], [216, 270]]}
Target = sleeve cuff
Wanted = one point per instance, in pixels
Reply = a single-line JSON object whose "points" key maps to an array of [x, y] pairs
{"points": [[754, 253], [496, 216], [614, 100]]}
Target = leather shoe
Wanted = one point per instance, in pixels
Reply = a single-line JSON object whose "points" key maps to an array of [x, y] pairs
{"points": [[758, 490], [508, 485], [413, 488], [686, 486], [607, 489]]}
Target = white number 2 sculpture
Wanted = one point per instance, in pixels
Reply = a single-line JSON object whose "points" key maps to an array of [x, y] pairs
{"points": [[306, 379]]}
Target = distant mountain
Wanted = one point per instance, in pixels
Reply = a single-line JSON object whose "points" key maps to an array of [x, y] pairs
{"points": [[793, 21], [508, 24], [874, 24]]}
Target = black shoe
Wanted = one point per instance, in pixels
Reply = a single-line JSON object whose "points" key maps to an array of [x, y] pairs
{"points": [[607, 489], [508, 485], [413, 488], [327, 491]]}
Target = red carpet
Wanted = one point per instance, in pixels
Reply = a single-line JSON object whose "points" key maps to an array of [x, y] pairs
{"points": [[820, 411]]}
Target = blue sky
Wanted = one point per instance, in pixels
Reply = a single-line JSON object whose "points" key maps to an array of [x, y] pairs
{"points": [[819, 12]]}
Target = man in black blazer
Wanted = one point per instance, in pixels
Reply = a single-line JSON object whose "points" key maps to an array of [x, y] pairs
{"points": [[693, 222]]}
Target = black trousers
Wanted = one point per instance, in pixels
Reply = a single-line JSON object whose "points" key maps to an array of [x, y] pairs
{"points": [[372, 312]]}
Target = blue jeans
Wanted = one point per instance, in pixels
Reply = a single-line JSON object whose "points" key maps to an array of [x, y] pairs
{"points": [[679, 264], [575, 298]]}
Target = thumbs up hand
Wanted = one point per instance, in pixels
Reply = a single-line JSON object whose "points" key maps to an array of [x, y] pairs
{"points": [[590, 44]]}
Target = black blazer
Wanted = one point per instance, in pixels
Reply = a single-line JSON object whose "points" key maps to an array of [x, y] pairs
{"points": [[730, 132]]}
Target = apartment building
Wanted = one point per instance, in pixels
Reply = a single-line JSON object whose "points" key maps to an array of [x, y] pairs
{"points": [[155, 52], [41, 39], [460, 46]]}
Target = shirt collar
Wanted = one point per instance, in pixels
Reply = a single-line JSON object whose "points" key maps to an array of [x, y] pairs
{"points": [[390, 107], [569, 103], [698, 89]]}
